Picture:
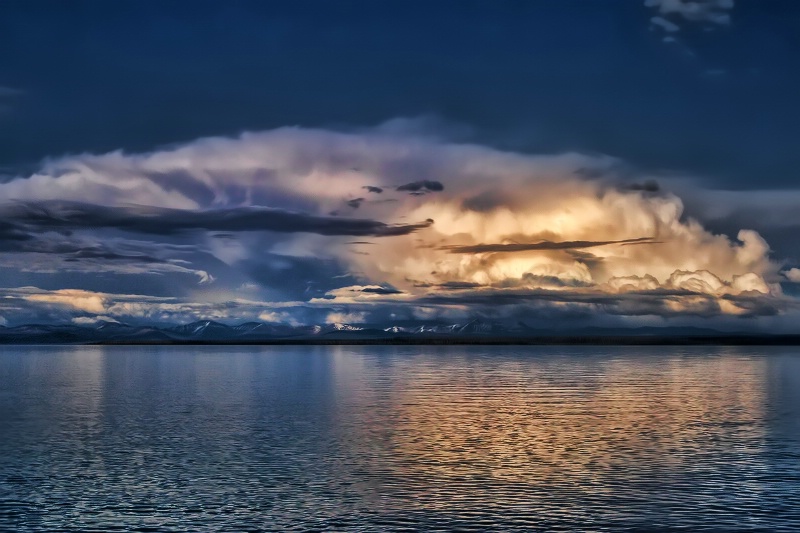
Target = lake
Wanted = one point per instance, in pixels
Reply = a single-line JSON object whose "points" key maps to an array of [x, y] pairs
{"points": [[383, 438]]}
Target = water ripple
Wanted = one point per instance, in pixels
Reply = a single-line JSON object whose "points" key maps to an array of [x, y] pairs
{"points": [[399, 439]]}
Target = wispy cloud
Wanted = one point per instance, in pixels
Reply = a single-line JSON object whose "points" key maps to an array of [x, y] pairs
{"points": [[7, 95], [9, 91], [677, 20], [543, 245], [162, 221], [690, 11]]}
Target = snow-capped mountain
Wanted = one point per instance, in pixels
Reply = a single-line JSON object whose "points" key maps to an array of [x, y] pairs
{"points": [[209, 331]]}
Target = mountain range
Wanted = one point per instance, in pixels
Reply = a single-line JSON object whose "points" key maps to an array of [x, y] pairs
{"points": [[472, 332]]}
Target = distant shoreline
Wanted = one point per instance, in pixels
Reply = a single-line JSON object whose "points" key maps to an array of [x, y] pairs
{"points": [[732, 340], [473, 333]]}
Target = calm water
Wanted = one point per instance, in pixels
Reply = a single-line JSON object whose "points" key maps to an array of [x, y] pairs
{"points": [[399, 438]]}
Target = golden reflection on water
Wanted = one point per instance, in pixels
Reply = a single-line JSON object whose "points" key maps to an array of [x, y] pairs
{"points": [[421, 438], [535, 420]]}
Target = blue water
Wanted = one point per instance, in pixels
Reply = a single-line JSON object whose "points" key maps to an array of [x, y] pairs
{"points": [[399, 438]]}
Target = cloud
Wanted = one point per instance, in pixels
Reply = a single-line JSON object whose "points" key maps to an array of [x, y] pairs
{"points": [[381, 290], [77, 299], [766, 208], [53, 215], [86, 307], [361, 294], [12, 236], [422, 186], [552, 299], [92, 320], [6, 95], [48, 252], [694, 11], [685, 293], [9, 91], [510, 228], [650, 185], [661, 302], [455, 285], [793, 275], [338, 317], [485, 201], [355, 203], [278, 317], [673, 16], [544, 245], [373, 189], [665, 24]]}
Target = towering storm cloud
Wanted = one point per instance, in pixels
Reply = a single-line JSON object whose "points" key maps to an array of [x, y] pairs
{"points": [[273, 214]]}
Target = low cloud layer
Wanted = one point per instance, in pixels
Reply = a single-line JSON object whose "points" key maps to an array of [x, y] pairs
{"points": [[453, 228]]}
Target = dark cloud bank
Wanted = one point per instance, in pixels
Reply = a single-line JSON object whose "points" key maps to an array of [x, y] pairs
{"points": [[161, 221]]}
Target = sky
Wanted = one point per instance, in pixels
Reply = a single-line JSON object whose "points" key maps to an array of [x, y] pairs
{"points": [[564, 164]]}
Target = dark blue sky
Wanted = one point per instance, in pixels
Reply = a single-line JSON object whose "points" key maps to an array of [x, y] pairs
{"points": [[538, 76]]}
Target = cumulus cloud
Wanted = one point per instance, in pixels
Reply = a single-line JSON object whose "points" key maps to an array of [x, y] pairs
{"points": [[793, 275], [511, 229], [684, 293]]}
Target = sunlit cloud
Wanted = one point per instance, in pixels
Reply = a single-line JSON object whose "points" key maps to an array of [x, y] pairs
{"points": [[338, 317], [793, 274], [451, 226]]}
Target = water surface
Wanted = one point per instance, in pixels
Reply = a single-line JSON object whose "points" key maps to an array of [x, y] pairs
{"points": [[377, 438]]}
